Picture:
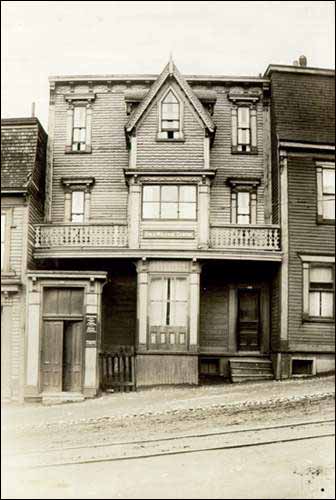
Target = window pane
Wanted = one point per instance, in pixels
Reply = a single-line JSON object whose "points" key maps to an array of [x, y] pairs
{"points": [[243, 117], [3, 226], [156, 314], [314, 303], [187, 211], [170, 111], [243, 203], [151, 193], [328, 206], [321, 275], [151, 210], [170, 97], [179, 314], [169, 211], [243, 219], [244, 136], [76, 135], [328, 176], [169, 193], [77, 201], [170, 125], [180, 291], [79, 116], [187, 193], [82, 135], [327, 299], [156, 289]]}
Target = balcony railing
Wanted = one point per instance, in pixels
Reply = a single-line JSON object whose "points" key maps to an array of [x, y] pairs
{"points": [[81, 235], [250, 237]]}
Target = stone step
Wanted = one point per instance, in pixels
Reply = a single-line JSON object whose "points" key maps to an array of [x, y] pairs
{"points": [[252, 370], [250, 377]]}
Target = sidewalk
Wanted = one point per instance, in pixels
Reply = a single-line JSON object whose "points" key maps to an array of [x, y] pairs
{"points": [[168, 400]]}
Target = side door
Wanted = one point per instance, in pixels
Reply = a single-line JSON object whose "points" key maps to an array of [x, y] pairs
{"points": [[52, 349]]}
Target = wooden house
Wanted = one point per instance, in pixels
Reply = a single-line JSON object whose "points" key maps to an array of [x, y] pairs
{"points": [[23, 161]]}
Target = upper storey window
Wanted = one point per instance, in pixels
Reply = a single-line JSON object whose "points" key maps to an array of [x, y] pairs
{"points": [[77, 206], [325, 192], [170, 117], [79, 129], [244, 129], [169, 202], [79, 122], [3, 240]]}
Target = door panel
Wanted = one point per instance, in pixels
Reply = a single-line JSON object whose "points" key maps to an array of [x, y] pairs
{"points": [[72, 356], [52, 347], [248, 320]]}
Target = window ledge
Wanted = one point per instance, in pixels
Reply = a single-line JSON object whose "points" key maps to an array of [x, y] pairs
{"points": [[325, 222], [69, 151], [235, 152], [318, 320], [177, 139]]}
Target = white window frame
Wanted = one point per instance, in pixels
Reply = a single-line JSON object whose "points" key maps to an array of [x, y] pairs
{"points": [[79, 100], [320, 166], [72, 184], [243, 186], [178, 202], [309, 261], [177, 134]]}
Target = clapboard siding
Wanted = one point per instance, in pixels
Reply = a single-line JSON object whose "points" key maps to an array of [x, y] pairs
{"points": [[106, 162], [305, 236], [155, 154], [233, 165], [110, 155], [166, 370]]}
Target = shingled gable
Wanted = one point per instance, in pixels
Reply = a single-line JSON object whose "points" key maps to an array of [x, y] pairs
{"points": [[170, 70]]}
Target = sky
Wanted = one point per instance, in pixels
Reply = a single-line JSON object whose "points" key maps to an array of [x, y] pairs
{"points": [[40, 39]]}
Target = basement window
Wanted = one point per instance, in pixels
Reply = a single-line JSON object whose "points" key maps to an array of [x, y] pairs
{"points": [[302, 367]]}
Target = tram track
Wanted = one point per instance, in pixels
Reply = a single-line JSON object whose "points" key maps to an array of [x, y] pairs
{"points": [[175, 445]]}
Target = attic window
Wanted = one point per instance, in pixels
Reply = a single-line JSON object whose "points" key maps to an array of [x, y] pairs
{"points": [[170, 117]]}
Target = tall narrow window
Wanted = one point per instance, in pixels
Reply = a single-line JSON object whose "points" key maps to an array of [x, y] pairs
{"points": [[168, 302], [3, 231], [79, 129], [170, 115], [328, 193], [321, 292], [243, 207], [244, 131], [77, 206]]}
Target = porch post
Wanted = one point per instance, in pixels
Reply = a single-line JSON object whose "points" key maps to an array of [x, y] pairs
{"points": [[194, 306], [134, 212], [203, 213], [142, 302]]}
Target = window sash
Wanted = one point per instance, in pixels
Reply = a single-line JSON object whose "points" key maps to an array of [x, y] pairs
{"points": [[170, 113], [243, 207], [79, 128], [168, 302], [171, 202], [321, 291], [77, 206]]}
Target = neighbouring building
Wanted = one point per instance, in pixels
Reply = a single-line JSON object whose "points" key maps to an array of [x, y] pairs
{"points": [[303, 139], [23, 160]]}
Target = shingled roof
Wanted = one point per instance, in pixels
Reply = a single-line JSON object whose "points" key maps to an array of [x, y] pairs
{"points": [[170, 70], [19, 138]]}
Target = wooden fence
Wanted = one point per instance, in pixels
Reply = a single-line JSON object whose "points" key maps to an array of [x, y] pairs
{"points": [[117, 370]]}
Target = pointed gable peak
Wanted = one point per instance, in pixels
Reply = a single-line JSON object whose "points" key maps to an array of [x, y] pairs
{"points": [[170, 71]]}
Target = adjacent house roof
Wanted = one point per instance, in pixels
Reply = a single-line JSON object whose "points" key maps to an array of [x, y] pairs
{"points": [[170, 70], [19, 138], [303, 104]]}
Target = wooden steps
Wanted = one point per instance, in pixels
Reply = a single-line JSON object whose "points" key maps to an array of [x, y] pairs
{"points": [[250, 369]]}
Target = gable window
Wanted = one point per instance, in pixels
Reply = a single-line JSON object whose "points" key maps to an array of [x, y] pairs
{"points": [[325, 192], [79, 129], [170, 117], [77, 206], [243, 129], [169, 202]]}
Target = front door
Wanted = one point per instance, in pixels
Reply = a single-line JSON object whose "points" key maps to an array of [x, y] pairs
{"points": [[248, 320], [72, 356], [52, 356]]}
